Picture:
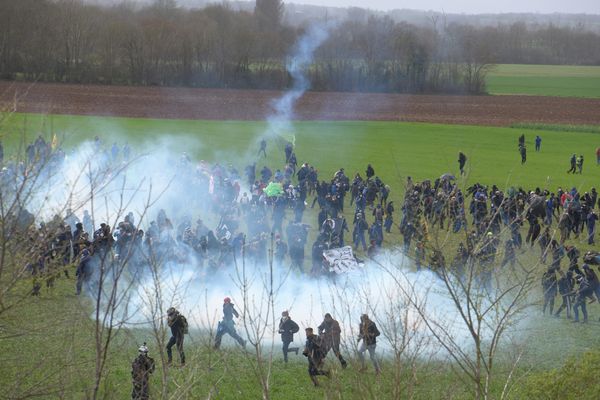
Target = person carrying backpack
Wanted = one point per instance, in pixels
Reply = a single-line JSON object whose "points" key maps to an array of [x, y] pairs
{"points": [[179, 327]]}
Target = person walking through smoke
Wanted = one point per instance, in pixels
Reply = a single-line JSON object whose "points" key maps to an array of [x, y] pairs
{"points": [[287, 328], [141, 368], [227, 325], [314, 352], [263, 148], [368, 333], [179, 327], [330, 333]]}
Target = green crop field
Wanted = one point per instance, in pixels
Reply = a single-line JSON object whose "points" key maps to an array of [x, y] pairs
{"points": [[544, 80], [396, 150]]}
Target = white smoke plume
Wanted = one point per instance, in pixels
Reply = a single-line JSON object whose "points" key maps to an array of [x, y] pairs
{"points": [[302, 56]]}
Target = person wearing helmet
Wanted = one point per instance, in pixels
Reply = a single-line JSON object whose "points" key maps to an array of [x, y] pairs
{"points": [[141, 368], [227, 325], [178, 325]]}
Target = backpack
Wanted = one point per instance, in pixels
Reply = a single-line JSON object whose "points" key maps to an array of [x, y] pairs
{"points": [[184, 323]]}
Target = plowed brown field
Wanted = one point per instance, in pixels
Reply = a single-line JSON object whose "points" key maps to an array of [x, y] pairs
{"points": [[217, 104]]}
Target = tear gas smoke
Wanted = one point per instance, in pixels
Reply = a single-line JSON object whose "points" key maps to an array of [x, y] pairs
{"points": [[89, 179], [302, 56]]}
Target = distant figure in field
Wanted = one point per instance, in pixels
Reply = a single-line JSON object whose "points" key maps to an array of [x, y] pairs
{"points": [[598, 155], [523, 151], [522, 140], [580, 163], [462, 159], [289, 147], [573, 168], [263, 148], [370, 172], [538, 143]]}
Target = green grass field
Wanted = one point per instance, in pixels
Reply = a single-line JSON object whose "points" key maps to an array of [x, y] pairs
{"points": [[544, 80], [396, 150]]}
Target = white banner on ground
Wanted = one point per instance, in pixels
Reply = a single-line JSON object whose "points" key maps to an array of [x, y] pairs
{"points": [[341, 259]]}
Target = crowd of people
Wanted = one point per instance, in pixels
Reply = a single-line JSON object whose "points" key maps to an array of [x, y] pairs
{"points": [[269, 213]]}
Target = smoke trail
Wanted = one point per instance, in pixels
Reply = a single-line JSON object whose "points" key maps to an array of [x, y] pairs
{"points": [[278, 124]]}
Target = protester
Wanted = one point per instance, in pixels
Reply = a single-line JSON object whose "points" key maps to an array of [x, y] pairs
{"points": [[179, 327], [287, 328], [141, 369], [227, 325], [368, 333]]}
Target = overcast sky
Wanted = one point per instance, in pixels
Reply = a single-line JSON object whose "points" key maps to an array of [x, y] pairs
{"points": [[470, 6]]}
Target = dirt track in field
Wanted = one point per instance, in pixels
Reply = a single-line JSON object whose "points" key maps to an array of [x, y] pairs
{"points": [[217, 104]]}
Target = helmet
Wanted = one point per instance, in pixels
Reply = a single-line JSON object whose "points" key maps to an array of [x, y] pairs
{"points": [[143, 348], [171, 310], [227, 300]]}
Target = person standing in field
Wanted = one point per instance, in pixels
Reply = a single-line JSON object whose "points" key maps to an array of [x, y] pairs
{"points": [[573, 168], [523, 151], [580, 163], [598, 155], [263, 148], [141, 368], [179, 328], [462, 159], [538, 143]]}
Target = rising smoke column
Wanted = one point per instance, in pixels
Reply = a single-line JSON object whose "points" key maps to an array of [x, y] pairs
{"points": [[301, 58]]}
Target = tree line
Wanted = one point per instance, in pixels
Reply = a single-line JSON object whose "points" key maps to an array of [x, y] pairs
{"points": [[166, 45]]}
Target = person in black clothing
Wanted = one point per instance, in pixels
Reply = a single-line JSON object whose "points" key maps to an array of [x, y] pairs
{"points": [[389, 217], [462, 160], [370, 171], [573, 168], [368, 333], [549, 286], [227, 325], [583, 291], [263, 148], [314, 352], [565, 289], [523, 151], [141, 368], [330, 333], [84, 269], [289, 147], [287, 328], [178, 325], [593, 281]]}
